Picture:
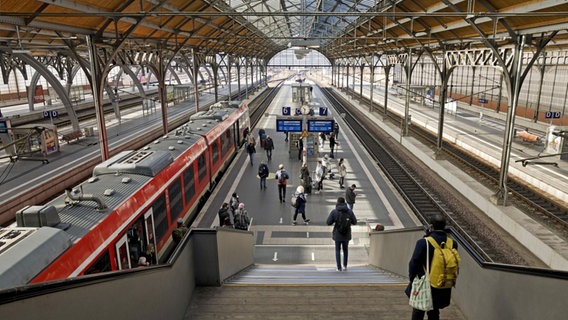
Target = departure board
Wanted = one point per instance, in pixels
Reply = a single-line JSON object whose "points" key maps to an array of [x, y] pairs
{"points": [[289, 125], [320, 125]]}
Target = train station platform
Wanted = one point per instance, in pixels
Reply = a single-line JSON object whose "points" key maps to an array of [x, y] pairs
{"points": [[377, 202], [280, 242]]}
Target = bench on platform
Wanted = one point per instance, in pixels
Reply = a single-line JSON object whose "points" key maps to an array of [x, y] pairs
{"points": [[73, 135]]}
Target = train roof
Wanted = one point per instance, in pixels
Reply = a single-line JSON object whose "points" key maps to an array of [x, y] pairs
{"points": [[112, 183]]}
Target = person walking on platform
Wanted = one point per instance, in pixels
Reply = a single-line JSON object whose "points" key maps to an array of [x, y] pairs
{"points": [[319, 176], [306, 179], [342, 173], [321, 140], [234, 202], [350, 196], [263, 174], [440, 296], [300, 206], [268, 147], [332, 144], [342, 219], [262, 137], [300, 148], [336, 130], [225, 216], [282, 180], [251, 148]]}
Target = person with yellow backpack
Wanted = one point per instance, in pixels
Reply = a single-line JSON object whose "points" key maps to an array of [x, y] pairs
{"points": [[443, 261]]}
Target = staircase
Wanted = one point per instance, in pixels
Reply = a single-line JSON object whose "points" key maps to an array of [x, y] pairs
{"points": [[306, 292]]}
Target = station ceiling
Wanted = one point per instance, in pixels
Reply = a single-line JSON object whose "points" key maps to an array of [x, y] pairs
{"points": [[262, 28]]}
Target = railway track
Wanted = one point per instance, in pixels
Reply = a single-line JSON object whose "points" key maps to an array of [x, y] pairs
{"points": [[424, 196], [537, 205]]}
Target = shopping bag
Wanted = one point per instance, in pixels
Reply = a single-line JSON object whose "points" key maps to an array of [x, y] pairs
{"points": [[421, 294]]}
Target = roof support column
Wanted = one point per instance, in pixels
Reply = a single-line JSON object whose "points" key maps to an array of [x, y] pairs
{"points": [[387, 69], [195, 67], [347, 77], [229, 74], [445, 75], [407, 100], [503, 193], [96, 83], [247, 61], [372, 82], [238, 66], [362, 73]]}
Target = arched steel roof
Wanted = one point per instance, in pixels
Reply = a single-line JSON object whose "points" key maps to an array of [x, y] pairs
{"points": [[262, 28]]}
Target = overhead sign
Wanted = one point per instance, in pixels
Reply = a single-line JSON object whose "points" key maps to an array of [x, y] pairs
{"points": [[298, 112], [553, 115], [323, 111], [321, 125], [289, 125], [286, 111], [50, 114], [3, 126]]}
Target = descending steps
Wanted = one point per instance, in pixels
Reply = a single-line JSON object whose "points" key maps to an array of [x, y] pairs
{"points": [[314, 274], [306, 292]]}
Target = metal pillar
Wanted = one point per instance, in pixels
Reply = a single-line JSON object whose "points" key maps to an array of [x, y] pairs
{"points": [[97, 97], [503, 193]]}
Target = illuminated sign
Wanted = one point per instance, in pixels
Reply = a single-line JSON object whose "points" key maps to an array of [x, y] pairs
{"points": [[320, 125], [3, 126], [290, 125]]}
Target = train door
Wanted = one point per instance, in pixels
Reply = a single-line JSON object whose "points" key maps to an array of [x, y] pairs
{"points": [[122, 253], [237, 134], [150, 233]]}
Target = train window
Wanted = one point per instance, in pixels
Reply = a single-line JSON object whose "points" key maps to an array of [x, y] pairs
{"points": [[176, 205], [202, 167], [188, 184], [160, 216], [101, 265], [215, 151], [226, 142]]}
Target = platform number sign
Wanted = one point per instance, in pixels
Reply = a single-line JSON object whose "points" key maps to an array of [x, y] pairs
{"points": [[553, 115], [323, 111], [298, 112], [50, 114], [286, 111]]}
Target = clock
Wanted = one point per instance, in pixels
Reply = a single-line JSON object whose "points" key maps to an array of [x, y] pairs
{"points": [[305, 109]]}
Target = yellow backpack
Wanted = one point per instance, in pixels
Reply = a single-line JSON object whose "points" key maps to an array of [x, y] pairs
{"points": [[444, 268]]}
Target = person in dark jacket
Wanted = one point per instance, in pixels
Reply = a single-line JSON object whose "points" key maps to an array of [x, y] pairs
{"points": [[268, 147], [417, 265], [341, 240], [301, 205], [332, 144], [350, 196], [225, 216]]}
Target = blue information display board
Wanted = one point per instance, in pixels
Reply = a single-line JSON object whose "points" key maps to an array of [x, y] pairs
{"points": [[290, 125], [3, 126], [320, 125]]}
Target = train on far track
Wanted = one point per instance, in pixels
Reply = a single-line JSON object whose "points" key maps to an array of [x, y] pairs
{"points": [[129, 206]]}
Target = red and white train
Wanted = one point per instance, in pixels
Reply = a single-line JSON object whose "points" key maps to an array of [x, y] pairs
{"points": [[131, 204]]}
